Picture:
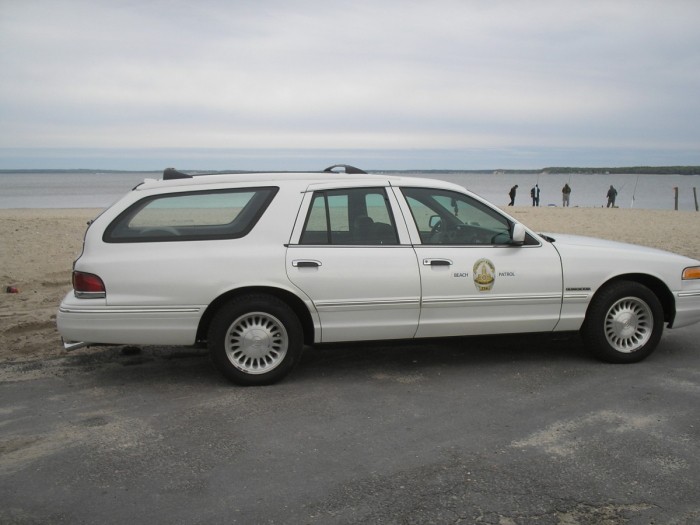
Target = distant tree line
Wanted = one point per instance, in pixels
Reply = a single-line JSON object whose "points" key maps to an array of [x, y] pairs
{"points": [[640, 170]]}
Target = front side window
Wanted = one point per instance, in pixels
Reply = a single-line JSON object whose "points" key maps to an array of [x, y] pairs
{"points": [[204, 215], [357, 216], [447, 217]]}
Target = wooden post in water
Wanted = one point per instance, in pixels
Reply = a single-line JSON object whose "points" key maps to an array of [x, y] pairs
{"points": [[675, 191], [695, 196]]}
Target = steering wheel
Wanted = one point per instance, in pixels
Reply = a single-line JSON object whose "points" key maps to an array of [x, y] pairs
{"points": [[495, 240], [436, 228]]}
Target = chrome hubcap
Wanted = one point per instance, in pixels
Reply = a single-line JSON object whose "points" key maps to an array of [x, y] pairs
{"points": [[628, 324], [256, 343]]}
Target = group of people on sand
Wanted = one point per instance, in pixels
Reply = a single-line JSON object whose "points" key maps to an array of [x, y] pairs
{"points": [[565, 195]]}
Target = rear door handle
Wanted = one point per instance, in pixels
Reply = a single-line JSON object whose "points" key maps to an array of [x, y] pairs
{"points": [[306, 263], [437, 262]]}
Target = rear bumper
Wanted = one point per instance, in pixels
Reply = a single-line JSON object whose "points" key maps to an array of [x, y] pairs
{"points": [[85, 322]]}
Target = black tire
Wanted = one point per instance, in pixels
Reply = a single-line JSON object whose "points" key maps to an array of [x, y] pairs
{"points": [[255, 340], [624, 323]]}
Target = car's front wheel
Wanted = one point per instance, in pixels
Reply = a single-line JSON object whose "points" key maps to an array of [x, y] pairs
{"points": [[255, 340], [624, 322]]}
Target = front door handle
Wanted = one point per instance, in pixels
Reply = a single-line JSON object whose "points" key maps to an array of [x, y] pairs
{"points": [[306, 263], [437, 262]]}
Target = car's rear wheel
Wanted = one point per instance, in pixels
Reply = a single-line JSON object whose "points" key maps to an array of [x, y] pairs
{"points": [[624, 323], [255, 340]]}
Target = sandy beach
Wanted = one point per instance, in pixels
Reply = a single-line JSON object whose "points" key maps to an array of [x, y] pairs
{"points": [[40, 245]]}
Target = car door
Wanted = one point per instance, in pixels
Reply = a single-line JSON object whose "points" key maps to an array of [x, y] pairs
{"points": [[354, 261], [475, 280]]}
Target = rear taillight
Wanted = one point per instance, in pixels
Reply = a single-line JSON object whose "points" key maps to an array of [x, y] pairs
{"points": [[88, 286]]}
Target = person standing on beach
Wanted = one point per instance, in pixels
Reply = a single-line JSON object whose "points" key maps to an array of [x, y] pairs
{"points": [[535, 194], [565, 193], [511, 194], [612, 194]]}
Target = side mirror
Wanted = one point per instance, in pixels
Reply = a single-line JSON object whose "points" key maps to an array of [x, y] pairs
{"points": [[518, 236]]}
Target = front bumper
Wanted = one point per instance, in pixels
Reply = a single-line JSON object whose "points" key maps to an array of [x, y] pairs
{"points": [[687, 308]]}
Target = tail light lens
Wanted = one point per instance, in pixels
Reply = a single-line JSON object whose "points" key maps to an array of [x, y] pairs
{"points": [[88, 286]]}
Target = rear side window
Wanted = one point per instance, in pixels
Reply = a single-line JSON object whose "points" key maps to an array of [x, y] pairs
{"points": [[356, 216], [191, 216]]}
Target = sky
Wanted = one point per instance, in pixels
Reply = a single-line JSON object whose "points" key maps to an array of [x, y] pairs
{"points": [[383, 84]]}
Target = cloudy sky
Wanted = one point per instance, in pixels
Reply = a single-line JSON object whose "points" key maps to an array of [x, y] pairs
{"points": [[274, 84]]}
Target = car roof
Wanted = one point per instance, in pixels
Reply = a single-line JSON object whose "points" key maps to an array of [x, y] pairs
{"points": [[277, 178]]}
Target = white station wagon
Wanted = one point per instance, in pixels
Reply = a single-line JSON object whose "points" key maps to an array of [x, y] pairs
{"points": [[257, 265]]}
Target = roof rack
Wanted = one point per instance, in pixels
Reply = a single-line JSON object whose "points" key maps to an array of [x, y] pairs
{"points": [[172, 173], [346, 167]]}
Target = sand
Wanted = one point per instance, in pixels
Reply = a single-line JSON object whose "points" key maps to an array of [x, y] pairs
{"points": [[40, 245]]}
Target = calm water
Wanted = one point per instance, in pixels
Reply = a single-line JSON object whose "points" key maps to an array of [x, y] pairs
{"points": [[66, 189], [649, 191], [99, 190]]}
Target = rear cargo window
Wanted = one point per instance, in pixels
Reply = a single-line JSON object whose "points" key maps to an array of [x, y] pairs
{"points": [[204, 215]]}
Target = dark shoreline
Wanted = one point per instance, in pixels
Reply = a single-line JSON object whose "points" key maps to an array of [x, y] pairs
{"points": [[631, 170]]}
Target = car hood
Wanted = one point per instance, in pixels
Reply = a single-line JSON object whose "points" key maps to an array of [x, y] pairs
{"points": [[566, 243]]}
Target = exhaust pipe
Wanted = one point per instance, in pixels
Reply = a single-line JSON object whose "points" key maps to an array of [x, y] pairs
{"points": [[73, 345]]}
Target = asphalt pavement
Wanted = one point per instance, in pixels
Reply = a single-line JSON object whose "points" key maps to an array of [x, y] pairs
{"points": [[502, 430]]}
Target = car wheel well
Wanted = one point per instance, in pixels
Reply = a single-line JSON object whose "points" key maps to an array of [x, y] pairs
{"points": [[296, 304], [655, 285]]}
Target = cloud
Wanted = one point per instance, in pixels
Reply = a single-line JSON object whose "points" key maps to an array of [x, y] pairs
{"points": [[360, 74]]}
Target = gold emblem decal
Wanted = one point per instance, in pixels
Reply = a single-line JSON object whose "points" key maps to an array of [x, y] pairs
{"points": [[484, 275]]}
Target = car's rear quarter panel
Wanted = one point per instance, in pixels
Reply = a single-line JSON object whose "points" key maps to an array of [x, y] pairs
{"points": [[158, 291]]}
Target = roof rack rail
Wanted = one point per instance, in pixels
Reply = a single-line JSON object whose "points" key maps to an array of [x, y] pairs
{"points": [[172, 173], [346, 167]]}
